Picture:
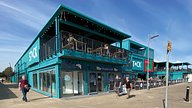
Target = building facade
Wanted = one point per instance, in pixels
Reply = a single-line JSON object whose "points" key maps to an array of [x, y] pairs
{"points": [[177, 71], [138, 64], [76, 55]]}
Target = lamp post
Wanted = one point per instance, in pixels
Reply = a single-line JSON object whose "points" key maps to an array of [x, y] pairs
{"points": [[149, 38]]}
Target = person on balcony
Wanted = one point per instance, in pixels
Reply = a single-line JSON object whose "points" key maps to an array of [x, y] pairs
{"points": [[106, 49], [71, 40]]}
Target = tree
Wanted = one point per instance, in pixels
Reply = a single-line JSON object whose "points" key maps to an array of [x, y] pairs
{"points": [[8, 72]]}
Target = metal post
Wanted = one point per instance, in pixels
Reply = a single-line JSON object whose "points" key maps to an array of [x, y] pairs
{"points": [[167, 79], [187, 94], [148, 65]]}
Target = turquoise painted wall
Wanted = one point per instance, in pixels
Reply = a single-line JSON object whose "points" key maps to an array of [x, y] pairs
{"points": [[30, 57], [172, 75]]}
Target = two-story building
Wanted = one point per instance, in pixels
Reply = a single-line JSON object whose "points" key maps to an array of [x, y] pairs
{"points": [[136, 68], [72, 55], [177, 71]]}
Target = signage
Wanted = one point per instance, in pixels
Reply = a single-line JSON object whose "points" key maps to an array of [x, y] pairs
{"points": [[137, 64], [106, 69], [33, 53], [151, 65], [67, 78]]}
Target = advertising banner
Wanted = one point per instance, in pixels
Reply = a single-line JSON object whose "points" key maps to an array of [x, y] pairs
{"points": [[151, 65]]}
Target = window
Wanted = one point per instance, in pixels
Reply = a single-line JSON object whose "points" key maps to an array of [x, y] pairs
{"points": [[35, 81], [48, 82]]}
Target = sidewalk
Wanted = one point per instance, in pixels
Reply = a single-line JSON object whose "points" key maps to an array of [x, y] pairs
{"points": [[10, 97]]}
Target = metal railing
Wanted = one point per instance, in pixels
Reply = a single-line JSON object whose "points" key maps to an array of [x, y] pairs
{"points": [[172, 70], [79, 43], [48, 48], [76, 42]]}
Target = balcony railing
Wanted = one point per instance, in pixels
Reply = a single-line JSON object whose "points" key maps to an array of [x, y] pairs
{"points": [[172, 70], [137, 51], [79, 43], [48, 48]]}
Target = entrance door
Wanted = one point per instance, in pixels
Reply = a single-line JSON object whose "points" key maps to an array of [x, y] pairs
{"points": [[72, 83], [111, 81], [95, 82], [67, 78], [100, 82]]}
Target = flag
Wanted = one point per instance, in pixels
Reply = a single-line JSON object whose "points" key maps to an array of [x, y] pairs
{"points": [[169, 47]]}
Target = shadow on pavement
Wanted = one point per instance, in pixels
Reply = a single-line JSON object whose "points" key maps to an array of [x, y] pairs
{"points": [[132, 96], [5, 92], [38, 98], [11, 86]]}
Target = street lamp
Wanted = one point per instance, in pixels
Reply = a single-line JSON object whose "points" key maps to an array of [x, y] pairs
{"points": [[149, 38]]}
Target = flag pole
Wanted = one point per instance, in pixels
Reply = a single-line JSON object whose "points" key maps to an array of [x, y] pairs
{"points": [[169, 47]]}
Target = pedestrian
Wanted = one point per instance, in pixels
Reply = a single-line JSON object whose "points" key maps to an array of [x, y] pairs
{"points": [[2, 80], [23, 86], [117, 85], [128, 84]]}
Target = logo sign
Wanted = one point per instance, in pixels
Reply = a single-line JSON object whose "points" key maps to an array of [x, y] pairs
{"points": [[137, 64], [33, 53], [67, 78]]}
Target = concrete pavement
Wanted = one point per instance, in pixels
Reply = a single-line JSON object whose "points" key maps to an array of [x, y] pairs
{"points": [[10, 97]]}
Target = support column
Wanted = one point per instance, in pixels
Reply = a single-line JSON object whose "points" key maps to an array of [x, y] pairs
{"points": [[58, 77], [106, 84], [57, 34], [121, 44], [86, 81]]}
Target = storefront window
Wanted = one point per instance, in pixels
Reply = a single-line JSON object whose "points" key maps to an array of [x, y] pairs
{"points": [[48, 82], [35, 81]]}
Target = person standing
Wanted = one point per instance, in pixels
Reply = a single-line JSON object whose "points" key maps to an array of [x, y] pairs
{"points": [[128, 86], [117, 85], [23, 85]]}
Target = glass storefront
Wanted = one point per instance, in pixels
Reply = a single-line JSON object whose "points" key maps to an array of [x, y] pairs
{"points": [[35, 81], [95, 82], [48, 82], [111, 78], [72, 83]]}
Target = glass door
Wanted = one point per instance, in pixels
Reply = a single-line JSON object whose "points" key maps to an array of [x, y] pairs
{"points": [[72, 83], [67, 80], [80, 83], [100, 82], [111, 81], [92, 82]]}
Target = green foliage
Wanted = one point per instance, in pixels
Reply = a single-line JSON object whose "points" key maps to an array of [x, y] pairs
{"points": [[8, 72]]}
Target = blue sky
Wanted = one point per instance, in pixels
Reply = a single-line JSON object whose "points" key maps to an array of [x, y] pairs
{"points": [[21, 20]]}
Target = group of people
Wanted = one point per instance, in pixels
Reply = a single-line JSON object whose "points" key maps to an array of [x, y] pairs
{"points": [[122, 82]]}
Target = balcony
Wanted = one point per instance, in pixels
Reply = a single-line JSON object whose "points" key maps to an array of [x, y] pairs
{"points": [[78, 46], [84, 46]]}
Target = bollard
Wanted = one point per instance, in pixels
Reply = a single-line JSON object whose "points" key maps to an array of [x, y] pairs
{"points": [[187, 94]]}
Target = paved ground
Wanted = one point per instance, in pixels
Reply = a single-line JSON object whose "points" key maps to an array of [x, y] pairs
{"points": [[10, 97]]}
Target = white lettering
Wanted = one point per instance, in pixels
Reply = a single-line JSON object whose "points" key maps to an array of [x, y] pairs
{"points": [[137, 64], [33, 53]]}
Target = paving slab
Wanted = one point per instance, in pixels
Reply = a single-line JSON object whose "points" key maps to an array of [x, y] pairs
{"points": [[10, 97]]}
